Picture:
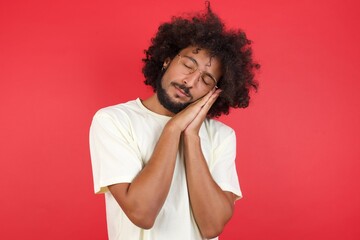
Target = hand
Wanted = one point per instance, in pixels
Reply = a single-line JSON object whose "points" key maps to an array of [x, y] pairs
{"points": [[196, 112], [208, 100]]}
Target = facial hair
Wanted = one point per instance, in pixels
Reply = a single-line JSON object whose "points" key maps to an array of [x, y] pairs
{"points": [[165, 99]]}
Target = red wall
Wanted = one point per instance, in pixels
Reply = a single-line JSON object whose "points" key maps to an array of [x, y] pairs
{"points": [[298, 143]]}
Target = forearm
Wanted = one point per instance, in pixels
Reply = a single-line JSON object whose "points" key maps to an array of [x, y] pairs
{"points": [[211, 206], [145, 196]]}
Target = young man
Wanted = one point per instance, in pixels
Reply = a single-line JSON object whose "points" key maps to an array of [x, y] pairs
{"points": [[166, 167]]}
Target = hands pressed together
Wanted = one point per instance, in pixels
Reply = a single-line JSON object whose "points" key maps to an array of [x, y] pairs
{"points": [[189, 120]]}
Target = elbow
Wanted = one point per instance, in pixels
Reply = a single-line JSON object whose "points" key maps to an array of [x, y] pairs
{"points": [[144, 224], [142, 220], [211, 232], [213, 229]]}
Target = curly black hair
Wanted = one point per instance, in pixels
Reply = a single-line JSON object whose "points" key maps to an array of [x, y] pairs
{"points": [[206, 31]]}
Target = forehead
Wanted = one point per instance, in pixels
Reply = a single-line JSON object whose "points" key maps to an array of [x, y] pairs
{"points": [[203, 58], [193, 51]]}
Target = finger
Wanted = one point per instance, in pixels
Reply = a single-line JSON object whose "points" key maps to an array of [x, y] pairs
{"points": [[201, 102], [201, 115], [212, 98], [205, 99], [206, 107], [210, 93]]}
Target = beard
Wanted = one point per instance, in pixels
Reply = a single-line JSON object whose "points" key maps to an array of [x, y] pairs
{"points": [[165, 99]]}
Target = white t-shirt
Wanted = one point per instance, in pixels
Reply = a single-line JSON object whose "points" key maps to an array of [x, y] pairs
{"points": [[122, 139]]}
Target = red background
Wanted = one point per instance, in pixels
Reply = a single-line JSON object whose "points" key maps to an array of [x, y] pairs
{"points": [[298, 142]]}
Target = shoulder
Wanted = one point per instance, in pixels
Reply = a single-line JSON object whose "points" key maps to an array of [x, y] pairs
{"points": [[217, 129], [119, 112], [218, 126], [119, 116]]}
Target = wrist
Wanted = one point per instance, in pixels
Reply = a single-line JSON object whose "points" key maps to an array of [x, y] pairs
{"points": [[172, 128], [191, 136]]}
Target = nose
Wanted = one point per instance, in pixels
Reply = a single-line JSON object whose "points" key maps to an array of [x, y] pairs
{"points": [[191, 79]]}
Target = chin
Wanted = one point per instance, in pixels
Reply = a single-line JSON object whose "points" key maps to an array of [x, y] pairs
{"points": [[174, 106], [169, 100]]}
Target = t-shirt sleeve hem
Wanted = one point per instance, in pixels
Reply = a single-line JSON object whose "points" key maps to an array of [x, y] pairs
{"points": [[228, 188], [103, 186]]}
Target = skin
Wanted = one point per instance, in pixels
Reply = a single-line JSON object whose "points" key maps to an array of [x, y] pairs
{"points": [[212, 207]]}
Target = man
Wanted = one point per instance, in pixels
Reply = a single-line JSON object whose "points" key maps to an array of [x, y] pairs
{"points": [[166, 167]]}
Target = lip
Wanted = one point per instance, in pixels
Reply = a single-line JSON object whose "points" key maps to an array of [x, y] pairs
{"points": [[181, 92]]}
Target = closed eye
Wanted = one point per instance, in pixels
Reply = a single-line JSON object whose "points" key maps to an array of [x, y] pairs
{"points": [[205, 80]]}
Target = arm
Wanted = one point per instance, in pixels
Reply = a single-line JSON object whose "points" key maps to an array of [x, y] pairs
{"points": [[142, 199], [212, 207]]}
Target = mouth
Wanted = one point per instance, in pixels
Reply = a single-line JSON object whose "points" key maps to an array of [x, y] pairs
{"points": [[182, 90]]}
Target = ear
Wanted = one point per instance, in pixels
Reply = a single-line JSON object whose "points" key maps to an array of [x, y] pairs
{"points": [[166, 62]]}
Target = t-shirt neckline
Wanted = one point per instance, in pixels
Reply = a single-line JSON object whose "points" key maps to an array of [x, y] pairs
{"points": [[141, 105]]}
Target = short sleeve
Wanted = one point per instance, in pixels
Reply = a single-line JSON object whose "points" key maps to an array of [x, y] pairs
{"points": [[223, 168], [115, 157]]}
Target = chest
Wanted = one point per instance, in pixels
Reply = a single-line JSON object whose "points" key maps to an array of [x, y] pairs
{"points": [[147, 132]]}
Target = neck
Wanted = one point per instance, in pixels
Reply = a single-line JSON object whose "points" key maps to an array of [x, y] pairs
{"points": [[152, 103]]}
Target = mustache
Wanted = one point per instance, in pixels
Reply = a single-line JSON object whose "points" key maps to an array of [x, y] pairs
{"points": [[182, 87]]}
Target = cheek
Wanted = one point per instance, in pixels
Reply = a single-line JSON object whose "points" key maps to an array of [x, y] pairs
{"points": [[164, 80], [167, 78]]}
